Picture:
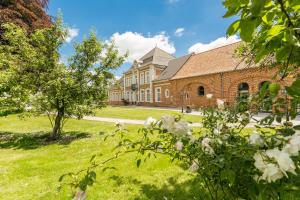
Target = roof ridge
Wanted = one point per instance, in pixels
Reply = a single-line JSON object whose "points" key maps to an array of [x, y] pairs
{"points": [[156, 47], [217, 47]]}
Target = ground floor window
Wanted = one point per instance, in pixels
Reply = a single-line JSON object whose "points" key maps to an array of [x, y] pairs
{"points": [[243, 90], [142, 96], [167, 93], [157, 94], [148, 95], [201, 91]]}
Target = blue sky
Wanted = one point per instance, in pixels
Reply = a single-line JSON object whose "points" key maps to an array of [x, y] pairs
{"points": [[177, 26]]}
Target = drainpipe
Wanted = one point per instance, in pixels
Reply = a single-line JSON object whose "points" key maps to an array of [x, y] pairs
{"points": [[222, 84]]}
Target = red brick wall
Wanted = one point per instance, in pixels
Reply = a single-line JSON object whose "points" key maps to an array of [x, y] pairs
{"points": [[212, 84]]}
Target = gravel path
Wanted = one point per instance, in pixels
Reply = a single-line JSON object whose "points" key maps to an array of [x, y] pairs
{"points": [[141, 122]]}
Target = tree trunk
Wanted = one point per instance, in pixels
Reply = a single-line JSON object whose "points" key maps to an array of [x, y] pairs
{"points": [[57, 124]]}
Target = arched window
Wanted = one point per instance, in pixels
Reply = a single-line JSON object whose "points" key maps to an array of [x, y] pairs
{"points": [[201, 91], [167, 93], [264, 83], [243, 90]]}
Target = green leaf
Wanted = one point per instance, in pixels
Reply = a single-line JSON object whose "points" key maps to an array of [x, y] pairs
{"points": [[138, 162], [247, 28], [233, 28], [257, 6], [297, 127], [231, 12], [274, 31], [294, 89], [274, 88], [92, 158], [229, 175], [268, 18]]}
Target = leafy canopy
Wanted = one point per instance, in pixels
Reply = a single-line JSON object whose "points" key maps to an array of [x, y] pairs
{"points": [[36, 80], [272, 27]]}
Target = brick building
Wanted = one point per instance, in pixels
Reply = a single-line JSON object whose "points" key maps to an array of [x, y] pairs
{"points": [[159, 79]]}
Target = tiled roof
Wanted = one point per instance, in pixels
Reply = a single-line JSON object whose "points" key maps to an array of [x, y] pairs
{"points": [[173, 67], [160, 57], [217, 60]]}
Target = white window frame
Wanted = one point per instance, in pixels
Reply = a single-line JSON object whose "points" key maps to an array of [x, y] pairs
{"points": [[142, 78], [156, 94], [148, 91], [147, 77], [142, 95], [167, 93]]}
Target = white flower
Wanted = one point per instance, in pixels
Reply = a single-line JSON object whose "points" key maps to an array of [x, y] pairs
{"points": [[209, 96], [179, 145], [283, 160], [276, 169], [28, 108], [205, 142], [220, 104], [206, 145], [150, 121], [168, 122], [259, 161], [218, 129], [293, 146], [255, 139], [181, 128], [194, 166], [271, 173]]}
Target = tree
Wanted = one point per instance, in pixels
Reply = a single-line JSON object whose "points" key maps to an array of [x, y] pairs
{"points": [[28, 14], [48, 86], [271, 28]]}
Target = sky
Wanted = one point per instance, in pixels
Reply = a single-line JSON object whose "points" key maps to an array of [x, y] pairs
{"points": [[176, 26]]}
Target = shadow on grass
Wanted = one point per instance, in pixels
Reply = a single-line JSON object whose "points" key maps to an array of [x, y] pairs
{"points": [[38, 139], [172, 189]]}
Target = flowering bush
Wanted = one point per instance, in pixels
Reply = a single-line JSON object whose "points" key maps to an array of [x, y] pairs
{"points": [[231, 156], [231, 162]]}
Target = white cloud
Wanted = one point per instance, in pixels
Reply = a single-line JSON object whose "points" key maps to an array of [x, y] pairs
{"points": [[117, 77], [72, 33], [138, 45], [179, 32], [200, 47]]}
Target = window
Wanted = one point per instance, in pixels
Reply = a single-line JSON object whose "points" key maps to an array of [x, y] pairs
{"points": [[127, 96], [186, 95], [157, 94], [201, 91], [142, 78], [148, 95], [243, 90], [167, 93], [147, 77], [142, 96]]}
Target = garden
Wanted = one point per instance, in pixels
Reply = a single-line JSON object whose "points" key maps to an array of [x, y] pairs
{"points": [[48, 150]]}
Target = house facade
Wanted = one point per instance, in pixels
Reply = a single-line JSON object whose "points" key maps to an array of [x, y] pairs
{"points": [[159, 79]]}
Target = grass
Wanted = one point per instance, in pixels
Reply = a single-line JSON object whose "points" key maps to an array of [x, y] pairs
{"points": [[141, 113], [30, 166]]}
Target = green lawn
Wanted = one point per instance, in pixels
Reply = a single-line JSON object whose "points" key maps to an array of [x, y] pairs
{"points": [[30, 168], [141, 113]]}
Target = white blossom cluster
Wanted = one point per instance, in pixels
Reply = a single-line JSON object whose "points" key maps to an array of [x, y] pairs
{"points": [[274, 163], [178, 128]]}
